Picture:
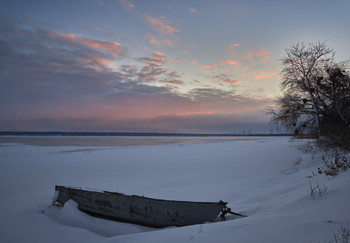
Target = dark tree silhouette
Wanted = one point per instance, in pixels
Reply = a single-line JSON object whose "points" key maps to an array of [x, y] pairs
{"points": [[316, 93]]}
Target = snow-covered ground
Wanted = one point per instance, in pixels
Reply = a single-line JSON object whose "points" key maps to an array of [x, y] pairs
{"points": [[267, 179]]}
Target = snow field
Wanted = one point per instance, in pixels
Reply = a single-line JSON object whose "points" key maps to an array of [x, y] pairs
{"points": [[267, 180]]}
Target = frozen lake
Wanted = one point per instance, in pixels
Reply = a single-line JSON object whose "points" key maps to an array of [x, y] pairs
{"points": [[98, 141], [266, 178]]}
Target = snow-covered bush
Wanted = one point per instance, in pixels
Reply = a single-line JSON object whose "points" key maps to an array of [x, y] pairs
{"points": [[317, 190], [342, 236], [335, 161]]}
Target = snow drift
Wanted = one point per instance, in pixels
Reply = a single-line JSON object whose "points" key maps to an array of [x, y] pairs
{"points": [[268, 180]]}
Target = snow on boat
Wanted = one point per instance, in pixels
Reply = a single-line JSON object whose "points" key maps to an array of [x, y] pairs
{"points": [[140, 210]]}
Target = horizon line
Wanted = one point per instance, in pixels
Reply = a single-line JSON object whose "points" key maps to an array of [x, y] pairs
{"points": [[64, 133]]}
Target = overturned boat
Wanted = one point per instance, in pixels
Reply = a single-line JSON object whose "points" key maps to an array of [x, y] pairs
{"points": [[141, 210]]}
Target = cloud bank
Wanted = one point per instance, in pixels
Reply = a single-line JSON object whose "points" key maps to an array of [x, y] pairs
{"points": [[53, 80]]}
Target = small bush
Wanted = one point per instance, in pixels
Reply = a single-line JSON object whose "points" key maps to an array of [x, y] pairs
{"points": [[335, 161], [317, 190], [342, 236]]}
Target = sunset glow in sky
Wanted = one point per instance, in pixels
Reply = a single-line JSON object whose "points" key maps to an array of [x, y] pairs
{"points": [[153, 65]]}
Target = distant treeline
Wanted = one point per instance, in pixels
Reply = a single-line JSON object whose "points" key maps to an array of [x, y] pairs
{"points": [[143, 134]]}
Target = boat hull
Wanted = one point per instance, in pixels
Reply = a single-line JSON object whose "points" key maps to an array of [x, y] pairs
{"points": [[140, 210]]}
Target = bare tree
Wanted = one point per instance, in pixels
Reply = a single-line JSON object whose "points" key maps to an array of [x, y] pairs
{"points": [[316, 91], [300, 67]]}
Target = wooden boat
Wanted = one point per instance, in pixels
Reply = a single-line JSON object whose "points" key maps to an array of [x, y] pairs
{"points": [[140, 210]]}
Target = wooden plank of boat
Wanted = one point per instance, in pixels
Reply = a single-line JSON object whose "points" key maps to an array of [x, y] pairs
{"points": [[140, 210]]}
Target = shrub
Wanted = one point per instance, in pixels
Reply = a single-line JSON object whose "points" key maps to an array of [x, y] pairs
{"points": [[342, 236], [335, 161], [317, 190]]}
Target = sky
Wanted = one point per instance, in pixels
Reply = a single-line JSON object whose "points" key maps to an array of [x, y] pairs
{"points": [[196, 66]]}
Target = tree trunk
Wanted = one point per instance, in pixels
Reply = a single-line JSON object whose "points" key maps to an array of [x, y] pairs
{"points": [[317, 115]]}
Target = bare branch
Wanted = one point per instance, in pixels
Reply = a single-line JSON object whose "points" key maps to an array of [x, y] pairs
{"points": [[316, 92]]}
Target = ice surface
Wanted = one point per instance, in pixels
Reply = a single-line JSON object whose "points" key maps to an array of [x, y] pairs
{"points": [[265, 179]]}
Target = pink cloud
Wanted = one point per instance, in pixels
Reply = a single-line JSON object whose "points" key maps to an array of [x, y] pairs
{"points": [[258, 53], [113, 48], [166, 33], [263, 75], [194, 62], [192, 10], [127, 4], [174, 81], [150, 78], [232, 46], [174, 74], [223, 62], [231, 81], [68, 36], [159, 40], [211, 65], [158, 60], [264, 59], [259, 56], [153, 40], [100, 62], [231, 62], [224, 78], [170, 86], [161, 25], [159, 54], [154, 60]]}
